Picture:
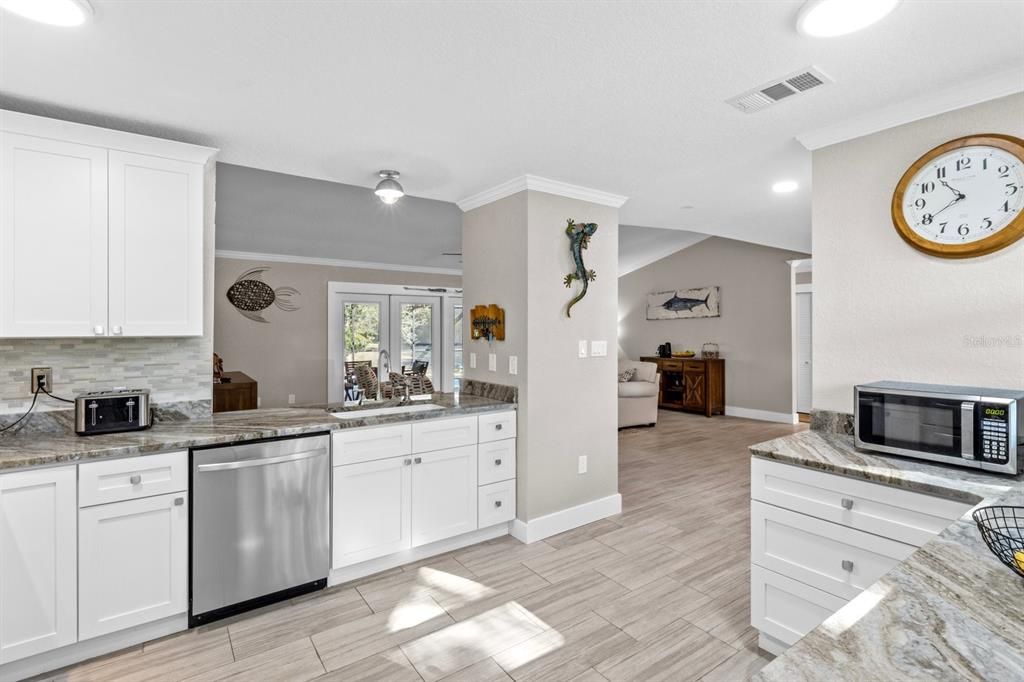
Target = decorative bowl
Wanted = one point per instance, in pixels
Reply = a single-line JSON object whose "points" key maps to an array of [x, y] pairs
{"points": [[1002, 528], [683, 354]]}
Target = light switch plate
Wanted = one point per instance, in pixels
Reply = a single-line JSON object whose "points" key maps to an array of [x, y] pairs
{"points": [[472, 360], [583, 349], [291, 398], [598, 349], [513, 364], [582, 464], [492, 362]]}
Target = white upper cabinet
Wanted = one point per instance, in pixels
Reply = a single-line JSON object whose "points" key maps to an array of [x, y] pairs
{"points": [[53, 238], [101, 232], [156, 246]]}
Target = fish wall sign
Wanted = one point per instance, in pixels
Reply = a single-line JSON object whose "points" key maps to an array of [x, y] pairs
{"points": [[579, 238], [251, 295], [685, 303]]}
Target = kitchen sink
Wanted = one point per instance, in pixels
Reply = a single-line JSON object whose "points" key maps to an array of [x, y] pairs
{"points": [[382, 411]]}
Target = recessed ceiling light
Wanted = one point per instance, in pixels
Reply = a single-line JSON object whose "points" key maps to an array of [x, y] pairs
{"points": [[827, 18], [388, 188], [785, 186], [52, 12]]}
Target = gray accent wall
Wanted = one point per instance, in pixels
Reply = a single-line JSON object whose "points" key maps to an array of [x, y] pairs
{"points": [[265, 212], [753, 331]]}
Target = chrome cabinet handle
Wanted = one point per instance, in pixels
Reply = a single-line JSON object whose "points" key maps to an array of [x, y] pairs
{"points": [[178, 501], [417, 460], [407, 462], [98, 330], [117, 330], [497, 462], [847, 565], [497, 503], [847, 503], [497, 427], [136, 479]]}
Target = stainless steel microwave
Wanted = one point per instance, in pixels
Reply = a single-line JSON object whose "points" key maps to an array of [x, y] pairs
{"points": [[982, 428]]}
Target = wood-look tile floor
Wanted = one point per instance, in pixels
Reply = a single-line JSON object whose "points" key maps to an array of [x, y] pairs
{"points": [[660, 591]]}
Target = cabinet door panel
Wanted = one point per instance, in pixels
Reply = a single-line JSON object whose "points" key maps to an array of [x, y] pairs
{"points": [[156, 246], [38, 572], [444, 494], [371, 510], [694, 389], [134, 563], [53, 238]]}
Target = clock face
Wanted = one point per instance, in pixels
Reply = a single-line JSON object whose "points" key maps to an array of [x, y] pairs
{"points": [[964, 195]]}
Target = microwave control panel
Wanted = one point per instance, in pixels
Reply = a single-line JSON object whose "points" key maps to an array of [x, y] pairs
{"points": [[993, 437]]}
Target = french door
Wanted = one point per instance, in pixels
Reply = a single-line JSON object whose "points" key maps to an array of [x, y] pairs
{"points": [[409, 327]]}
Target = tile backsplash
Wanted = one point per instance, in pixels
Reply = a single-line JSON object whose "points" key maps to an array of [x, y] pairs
{"points": [[173, 369]]}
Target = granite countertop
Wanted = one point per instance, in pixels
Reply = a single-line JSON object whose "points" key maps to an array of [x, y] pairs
{"points": [[49, 445], [950, 611]]}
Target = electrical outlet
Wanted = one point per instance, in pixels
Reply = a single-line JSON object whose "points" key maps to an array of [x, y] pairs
{"points": [[583, 464], [291, 398], [513, 364], [492, 362], [472, 360], [44, 373], [583, 349], [598, 349]]}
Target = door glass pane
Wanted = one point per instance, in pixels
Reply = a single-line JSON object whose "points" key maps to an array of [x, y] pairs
{"points": [[417, 341], [362, 342], [457, 342]]}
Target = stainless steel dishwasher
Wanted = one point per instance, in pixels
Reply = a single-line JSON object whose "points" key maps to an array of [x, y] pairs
{"points": [[260, 524]]}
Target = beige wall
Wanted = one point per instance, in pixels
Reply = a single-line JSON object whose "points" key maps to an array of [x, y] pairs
{"points": [[288, 354], [753, 332], [883, 310], [516, 256]]}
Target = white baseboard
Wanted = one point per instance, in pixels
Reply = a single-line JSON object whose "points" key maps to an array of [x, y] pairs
{"points": [[761, 415], [365, 568], [91, 648], [566, 519]]}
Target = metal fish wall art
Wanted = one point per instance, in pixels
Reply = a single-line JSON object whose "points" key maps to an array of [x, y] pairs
{"points": [[250, 295]]}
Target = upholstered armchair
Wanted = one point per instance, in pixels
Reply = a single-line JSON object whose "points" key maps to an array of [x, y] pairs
{"points": [[638, 397]]}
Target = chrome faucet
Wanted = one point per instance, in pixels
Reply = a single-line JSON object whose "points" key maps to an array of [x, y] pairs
{"points": [[383, 360]]}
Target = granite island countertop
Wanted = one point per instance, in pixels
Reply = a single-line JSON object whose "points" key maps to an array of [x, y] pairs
{"points": [[30, 446], [950, 611]]}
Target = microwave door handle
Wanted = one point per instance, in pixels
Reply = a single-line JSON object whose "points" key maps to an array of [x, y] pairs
{"points": [[967, 430]]}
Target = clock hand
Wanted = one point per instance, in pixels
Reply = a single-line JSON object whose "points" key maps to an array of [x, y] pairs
{"points": [[959, 195]]}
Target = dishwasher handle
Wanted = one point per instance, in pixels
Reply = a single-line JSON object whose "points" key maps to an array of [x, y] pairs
{"points": [[246, 463]]}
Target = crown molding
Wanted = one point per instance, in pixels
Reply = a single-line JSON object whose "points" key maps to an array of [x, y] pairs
{"points": [[973, 92], [334, 262], [539, 184]]}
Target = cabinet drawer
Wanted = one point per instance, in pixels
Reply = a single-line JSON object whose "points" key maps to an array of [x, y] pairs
{"points": [[671, 365], [497, 503], [785, 608], [351, 446], [902, 515], [497, 426], [697, 367], [128, 479], [429, 436], [496, 461], [830, 557]]}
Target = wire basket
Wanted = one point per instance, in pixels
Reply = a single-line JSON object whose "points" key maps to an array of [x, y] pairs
{"points": [[1002, 528]]}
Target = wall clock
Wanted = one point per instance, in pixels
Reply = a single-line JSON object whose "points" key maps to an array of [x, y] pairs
{"points": [[964, 198]]}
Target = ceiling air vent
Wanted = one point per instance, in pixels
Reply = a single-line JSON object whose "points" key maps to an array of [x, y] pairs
{"points": [[773, 91]]}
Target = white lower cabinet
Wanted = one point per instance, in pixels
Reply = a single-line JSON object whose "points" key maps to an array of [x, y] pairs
{"points": [[371, 511], [787, 609], [443, 494], [497, 503], [38, 572], [133, 563]]}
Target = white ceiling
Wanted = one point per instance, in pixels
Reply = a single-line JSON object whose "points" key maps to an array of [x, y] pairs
{"points": [[625, 97]]}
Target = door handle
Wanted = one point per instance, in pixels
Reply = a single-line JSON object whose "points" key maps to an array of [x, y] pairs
{"points": [[406, 462], [497, 427], [135, 479], [847, 503], [417, 460], [847, 565], [247, 463], [178, 501], [497, 503], [497, 462]]}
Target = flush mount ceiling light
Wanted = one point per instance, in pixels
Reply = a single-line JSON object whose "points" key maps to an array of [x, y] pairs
{"points": [[828, 18], [785, 186], [388, 188], [52, 12]]}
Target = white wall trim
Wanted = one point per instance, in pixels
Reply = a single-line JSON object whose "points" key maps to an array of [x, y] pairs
{"points": [[566, 519], [807, 288], [54, 128], [539, 184], [965, 94], [761, 415], [335, 262]]}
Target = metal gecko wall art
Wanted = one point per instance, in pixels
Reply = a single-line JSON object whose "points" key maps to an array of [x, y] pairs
{"points": [[251, 295], [579, 238]]}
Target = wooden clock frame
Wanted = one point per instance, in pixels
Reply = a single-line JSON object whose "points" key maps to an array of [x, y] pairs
{"points": [[1008, 235]]}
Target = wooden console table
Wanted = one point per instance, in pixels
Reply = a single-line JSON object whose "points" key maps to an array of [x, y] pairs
{"points": [[239, 394], [691, 384]]}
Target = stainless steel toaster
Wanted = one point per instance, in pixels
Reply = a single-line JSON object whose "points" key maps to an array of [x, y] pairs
{"points": [[112, 411]]}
